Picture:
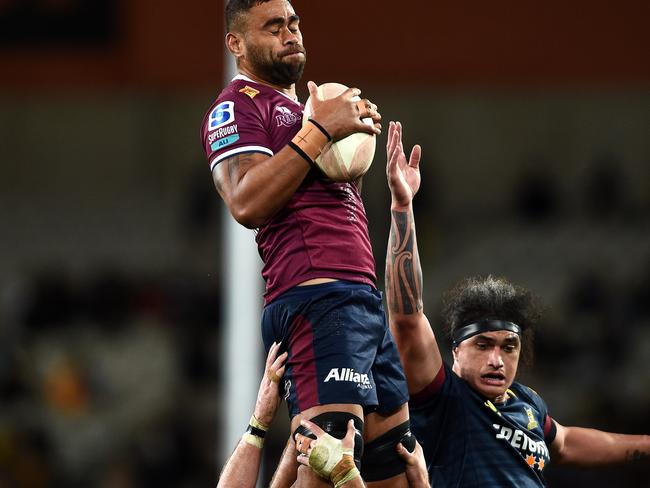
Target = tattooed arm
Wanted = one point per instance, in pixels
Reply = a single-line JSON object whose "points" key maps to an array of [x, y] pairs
{"points": [[582, 447], [255, 186], [410, 327]]}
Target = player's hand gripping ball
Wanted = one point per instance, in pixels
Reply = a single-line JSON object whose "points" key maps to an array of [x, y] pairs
{"points": [[349, 158]]}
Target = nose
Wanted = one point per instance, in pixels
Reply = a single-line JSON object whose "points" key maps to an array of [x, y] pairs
{"points": [[494, 359], [290, 37]]}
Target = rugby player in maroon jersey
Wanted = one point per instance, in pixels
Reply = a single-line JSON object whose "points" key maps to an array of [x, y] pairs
{"points": [[321, 300]]}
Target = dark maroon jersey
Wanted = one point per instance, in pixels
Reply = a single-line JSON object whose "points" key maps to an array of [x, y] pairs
{"points": [[323, 231]]}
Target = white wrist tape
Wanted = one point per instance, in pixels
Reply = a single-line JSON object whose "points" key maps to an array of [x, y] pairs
{"points": [[326, 455]]}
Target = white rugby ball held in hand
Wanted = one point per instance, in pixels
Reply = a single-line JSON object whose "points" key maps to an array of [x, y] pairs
{"points": [[349, 158]]}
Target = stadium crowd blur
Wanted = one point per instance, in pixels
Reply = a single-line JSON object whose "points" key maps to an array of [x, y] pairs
{"points": [[110, 291]]}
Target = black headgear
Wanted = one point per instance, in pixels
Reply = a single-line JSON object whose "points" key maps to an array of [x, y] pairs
{"points": [[488, 325]]}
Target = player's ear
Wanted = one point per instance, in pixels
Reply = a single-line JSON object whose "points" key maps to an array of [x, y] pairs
{"points": [[454, 351], [235, 44]]}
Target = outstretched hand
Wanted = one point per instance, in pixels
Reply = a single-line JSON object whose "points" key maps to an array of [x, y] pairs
{"points": [[268, 396], [341, 116], [403, 175]]}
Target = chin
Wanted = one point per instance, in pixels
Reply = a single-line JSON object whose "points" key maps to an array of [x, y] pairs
{"points": [[491, 392]]}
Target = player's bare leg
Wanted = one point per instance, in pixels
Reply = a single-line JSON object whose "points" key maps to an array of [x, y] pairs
{"points": [[376, 425]]}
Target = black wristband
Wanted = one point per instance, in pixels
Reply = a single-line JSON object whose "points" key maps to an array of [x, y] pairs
{"points": [[296, 148], [255, 431], [321, 128]]}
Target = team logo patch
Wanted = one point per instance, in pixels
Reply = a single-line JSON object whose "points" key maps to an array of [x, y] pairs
{"points": [[223, 114], [226, 141], [251, 92], [286, 117], [532, 423]]}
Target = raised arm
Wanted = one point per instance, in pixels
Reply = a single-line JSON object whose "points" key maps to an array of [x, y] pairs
{"points": [[241, 470], [585, 448], [255, 186], [410, 327]]}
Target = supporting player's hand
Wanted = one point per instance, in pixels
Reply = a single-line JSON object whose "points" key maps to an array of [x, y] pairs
{"points": [[268, 397], [416, 466], [330, 458], [341, 116], [403, 175]]}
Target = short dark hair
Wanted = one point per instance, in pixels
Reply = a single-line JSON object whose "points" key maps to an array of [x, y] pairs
{"points": [[236, 8], [478, 298]]}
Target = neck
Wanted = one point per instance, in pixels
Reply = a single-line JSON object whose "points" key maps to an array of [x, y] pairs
{"points": [[501, 398], [290, 90]]}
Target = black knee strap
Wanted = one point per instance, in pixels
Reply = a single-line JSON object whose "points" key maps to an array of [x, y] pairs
{"points": [[380, 459], [336, 425]]}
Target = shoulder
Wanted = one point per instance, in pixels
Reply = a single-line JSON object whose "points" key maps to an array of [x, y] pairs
{"points": [[239, 115], [236, 97], [443, 385], [527, 393], [530, 397]]}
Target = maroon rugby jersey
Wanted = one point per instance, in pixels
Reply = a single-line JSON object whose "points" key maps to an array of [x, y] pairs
{"points": [[323, 231]]}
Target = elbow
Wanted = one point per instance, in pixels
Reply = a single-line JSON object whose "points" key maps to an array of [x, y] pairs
{"points": [[412, 329], [405, 323], [406, 330], [248, 217]]}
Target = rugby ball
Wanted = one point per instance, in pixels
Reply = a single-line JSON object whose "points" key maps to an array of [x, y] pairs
{"points": [[349, 158]]}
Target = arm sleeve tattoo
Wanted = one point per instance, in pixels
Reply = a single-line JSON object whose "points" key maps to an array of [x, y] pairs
{"points": [[403, 270], [636, 456]]}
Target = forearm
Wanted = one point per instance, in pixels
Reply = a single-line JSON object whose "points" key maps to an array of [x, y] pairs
{"points": [[403, 269], [242, 468], [415, 340], [590, 447], [287, 470]]}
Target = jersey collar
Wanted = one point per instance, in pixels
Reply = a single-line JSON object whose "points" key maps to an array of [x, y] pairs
{"points": [[246, 78]]}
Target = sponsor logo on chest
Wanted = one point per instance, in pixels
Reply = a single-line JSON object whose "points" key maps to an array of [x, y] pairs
{"points": [[535, 453]]}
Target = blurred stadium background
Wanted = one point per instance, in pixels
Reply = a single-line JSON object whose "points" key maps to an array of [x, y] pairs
{"points": [[535, 124]]}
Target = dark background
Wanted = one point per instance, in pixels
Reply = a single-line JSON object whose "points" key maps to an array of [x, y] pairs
{"points": [[534, 120]]}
